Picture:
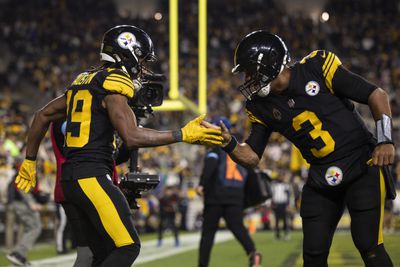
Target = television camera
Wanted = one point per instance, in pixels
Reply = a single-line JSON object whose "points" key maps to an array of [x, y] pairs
{"points": [[134, 183]]}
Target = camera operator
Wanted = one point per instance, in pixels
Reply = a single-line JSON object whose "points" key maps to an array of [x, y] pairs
{"points": [[94, 106]]}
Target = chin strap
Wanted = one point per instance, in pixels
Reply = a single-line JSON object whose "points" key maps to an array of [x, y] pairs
{"points": [[265, 90]]}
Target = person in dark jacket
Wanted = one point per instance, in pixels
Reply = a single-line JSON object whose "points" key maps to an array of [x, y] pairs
{"points": [[222, 184]]}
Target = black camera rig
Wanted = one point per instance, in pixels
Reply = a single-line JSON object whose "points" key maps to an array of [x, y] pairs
{"points": [[134, 183]]}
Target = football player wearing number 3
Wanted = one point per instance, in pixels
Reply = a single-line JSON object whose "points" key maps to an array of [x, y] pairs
{"points": [[309, 103], [94, 106]]}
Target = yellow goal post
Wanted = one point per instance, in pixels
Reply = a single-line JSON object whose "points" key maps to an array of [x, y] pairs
{"points": [[177, 101]]}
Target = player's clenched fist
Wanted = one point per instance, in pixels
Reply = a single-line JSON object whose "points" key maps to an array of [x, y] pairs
{"points": [[26, 178], [195, 133]]}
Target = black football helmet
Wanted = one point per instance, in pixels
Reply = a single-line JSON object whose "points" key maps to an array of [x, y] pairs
{"points": [[262, 56], [127, 46]]}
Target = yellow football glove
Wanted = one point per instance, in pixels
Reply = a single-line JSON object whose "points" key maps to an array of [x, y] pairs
{"points": [[26, 178], [195, 133]]}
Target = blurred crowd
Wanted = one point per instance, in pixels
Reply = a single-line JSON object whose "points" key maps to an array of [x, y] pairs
{"points": [[47, 42]]}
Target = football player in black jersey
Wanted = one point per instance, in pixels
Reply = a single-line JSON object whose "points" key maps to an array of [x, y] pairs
{"points": [[94, 106], [309, 103]]}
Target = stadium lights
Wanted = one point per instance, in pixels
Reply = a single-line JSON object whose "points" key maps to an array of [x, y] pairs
{"points": [[158, 16], [325, 16]]}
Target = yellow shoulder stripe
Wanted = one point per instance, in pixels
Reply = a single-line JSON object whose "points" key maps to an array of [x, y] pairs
{"points": [[121, 70], [122, 77], [254, 119], [311, 55], [119, 84], [329, 68], [328, 58]]}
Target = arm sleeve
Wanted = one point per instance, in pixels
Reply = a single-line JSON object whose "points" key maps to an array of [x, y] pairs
{"points": [[350, 85], [258, 138], [210, 165], [338, 79]]}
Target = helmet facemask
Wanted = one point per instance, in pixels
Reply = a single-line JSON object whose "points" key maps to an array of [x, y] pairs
{"points": [[259, 80], [255, 84]]}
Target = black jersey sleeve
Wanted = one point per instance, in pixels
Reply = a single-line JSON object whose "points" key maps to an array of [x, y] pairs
{"points": [[116, 81], [352, 86], [337, 78], [259, 135]]}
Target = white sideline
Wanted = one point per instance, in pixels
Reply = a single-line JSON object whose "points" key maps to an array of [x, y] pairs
{"points": [[149, 251]]}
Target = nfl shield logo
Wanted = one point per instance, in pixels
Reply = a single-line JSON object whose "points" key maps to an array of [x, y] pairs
{"points": [[312, 88], [334, 176]]}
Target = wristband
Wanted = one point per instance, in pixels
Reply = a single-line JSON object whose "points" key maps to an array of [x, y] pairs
{"points": [[231, 145], [384, 130], [386, 142], [177, 135], [30, 158]]}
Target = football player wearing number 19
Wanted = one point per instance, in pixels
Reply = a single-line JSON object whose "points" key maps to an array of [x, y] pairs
{"points": [[94, 106], [310, 104]]}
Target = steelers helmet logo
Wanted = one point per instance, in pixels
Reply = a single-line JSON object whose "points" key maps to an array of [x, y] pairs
{"points": [[126, 40], [312, 88], [334, 176]]}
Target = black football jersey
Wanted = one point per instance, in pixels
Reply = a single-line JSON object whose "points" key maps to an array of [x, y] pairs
{"points": [[89, 132], [317, 118]]}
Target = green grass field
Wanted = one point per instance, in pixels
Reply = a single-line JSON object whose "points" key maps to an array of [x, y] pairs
{"points": [[280, 253], [276, 253]]}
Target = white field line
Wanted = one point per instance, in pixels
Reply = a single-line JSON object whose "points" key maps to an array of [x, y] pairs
{"points": [[149, 251]]}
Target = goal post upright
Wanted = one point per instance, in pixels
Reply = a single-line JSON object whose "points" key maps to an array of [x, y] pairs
{"points": [[176, 101], [202, 85]]}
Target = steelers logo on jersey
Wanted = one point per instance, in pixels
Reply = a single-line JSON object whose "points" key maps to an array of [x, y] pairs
{"points": [[312, 88], [126, 40], [334, 176]]}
